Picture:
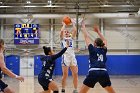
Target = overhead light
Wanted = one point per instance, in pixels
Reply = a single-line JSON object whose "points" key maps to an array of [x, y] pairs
{"points": [[139, 12], [127, 2], [105, 3], [29, 6], [50, 2], [4, 6], [28, 2], [52, 6], [1, 2]]}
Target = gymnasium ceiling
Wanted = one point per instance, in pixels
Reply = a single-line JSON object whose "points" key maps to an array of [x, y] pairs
{"points": [[68, 6], [45, 9]]}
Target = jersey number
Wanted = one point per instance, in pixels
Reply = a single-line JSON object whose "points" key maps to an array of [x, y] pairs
{"points": [[44, 63], [100, 57], [70, 42]]}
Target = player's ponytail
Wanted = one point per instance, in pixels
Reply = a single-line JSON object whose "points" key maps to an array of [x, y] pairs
{"points": [[102, 44], [46, 50], [99, 42]]}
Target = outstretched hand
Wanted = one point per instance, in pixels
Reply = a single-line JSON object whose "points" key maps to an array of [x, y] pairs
{"points": [[20, 78], [96, 28], [63, 23]]}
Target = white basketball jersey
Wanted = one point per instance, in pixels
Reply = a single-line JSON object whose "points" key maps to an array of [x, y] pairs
{"points": [[70, 49]]}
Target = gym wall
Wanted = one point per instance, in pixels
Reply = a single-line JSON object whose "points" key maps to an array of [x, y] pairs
{"points": [[116, 65]]}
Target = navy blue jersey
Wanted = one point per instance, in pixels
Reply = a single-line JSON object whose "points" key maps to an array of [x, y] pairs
{"points": [[97, 56], [49, 63]]}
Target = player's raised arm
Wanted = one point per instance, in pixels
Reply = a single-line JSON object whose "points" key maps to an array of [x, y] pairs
{"points": [[62, 29], [96, 29], [74, 30], [61, 52], [86, 36]]}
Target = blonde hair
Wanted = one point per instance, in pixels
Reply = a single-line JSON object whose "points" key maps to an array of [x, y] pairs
{"points": [[1, 42]]}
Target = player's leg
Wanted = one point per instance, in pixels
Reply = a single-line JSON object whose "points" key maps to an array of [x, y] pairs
{"points": [[84, 89], [4, 87], [8, 90], [44, 82], [47, 91], [53, 87], [74, 70], [105, 82], [109, 89], [46, 88], [64, 77], [89, 82]]}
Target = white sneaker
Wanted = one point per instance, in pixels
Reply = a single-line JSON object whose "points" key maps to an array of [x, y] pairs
{"points": [[75, 91]]}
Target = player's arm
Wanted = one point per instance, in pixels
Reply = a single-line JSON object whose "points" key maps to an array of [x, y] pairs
{"points": [[96, 29], [62, 29], [86, 36], [74, 30], [61, 52], [7, 71]]}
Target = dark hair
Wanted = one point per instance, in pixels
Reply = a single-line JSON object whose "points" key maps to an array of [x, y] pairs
{"points": [[99, 42], [46, 50], [1, 42]]}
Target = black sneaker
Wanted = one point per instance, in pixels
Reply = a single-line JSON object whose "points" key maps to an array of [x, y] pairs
{"points": [[63, 91]]}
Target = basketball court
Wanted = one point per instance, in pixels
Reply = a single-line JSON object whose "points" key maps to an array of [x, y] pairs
{"points": [[122, 84], [28, 25]]}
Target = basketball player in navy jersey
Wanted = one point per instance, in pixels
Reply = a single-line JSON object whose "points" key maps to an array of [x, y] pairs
{"points": [[45, 76], [4, 87], [97, 59], [68, 59]]}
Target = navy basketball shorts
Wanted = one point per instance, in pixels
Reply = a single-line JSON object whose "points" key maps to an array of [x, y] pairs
{"points": [[2, 86], [44, 82], [95, 76]]}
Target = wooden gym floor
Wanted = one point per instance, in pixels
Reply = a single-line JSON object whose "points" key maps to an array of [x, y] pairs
{"points": [[122, 84]]}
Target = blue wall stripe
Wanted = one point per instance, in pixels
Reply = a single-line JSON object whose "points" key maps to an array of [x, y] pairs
{"points": [[116, 65]]}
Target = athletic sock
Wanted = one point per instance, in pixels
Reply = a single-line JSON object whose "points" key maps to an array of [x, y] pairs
{"points": [[75, 91]]}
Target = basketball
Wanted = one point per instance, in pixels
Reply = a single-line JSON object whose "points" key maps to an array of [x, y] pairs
{"points": [[67, 20]]}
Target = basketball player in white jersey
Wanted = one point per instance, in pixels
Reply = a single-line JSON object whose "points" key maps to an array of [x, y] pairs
{"points": [[68, 59]]}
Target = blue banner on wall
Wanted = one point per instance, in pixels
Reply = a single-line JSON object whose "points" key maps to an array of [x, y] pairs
{"points": [[13, 63]]}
